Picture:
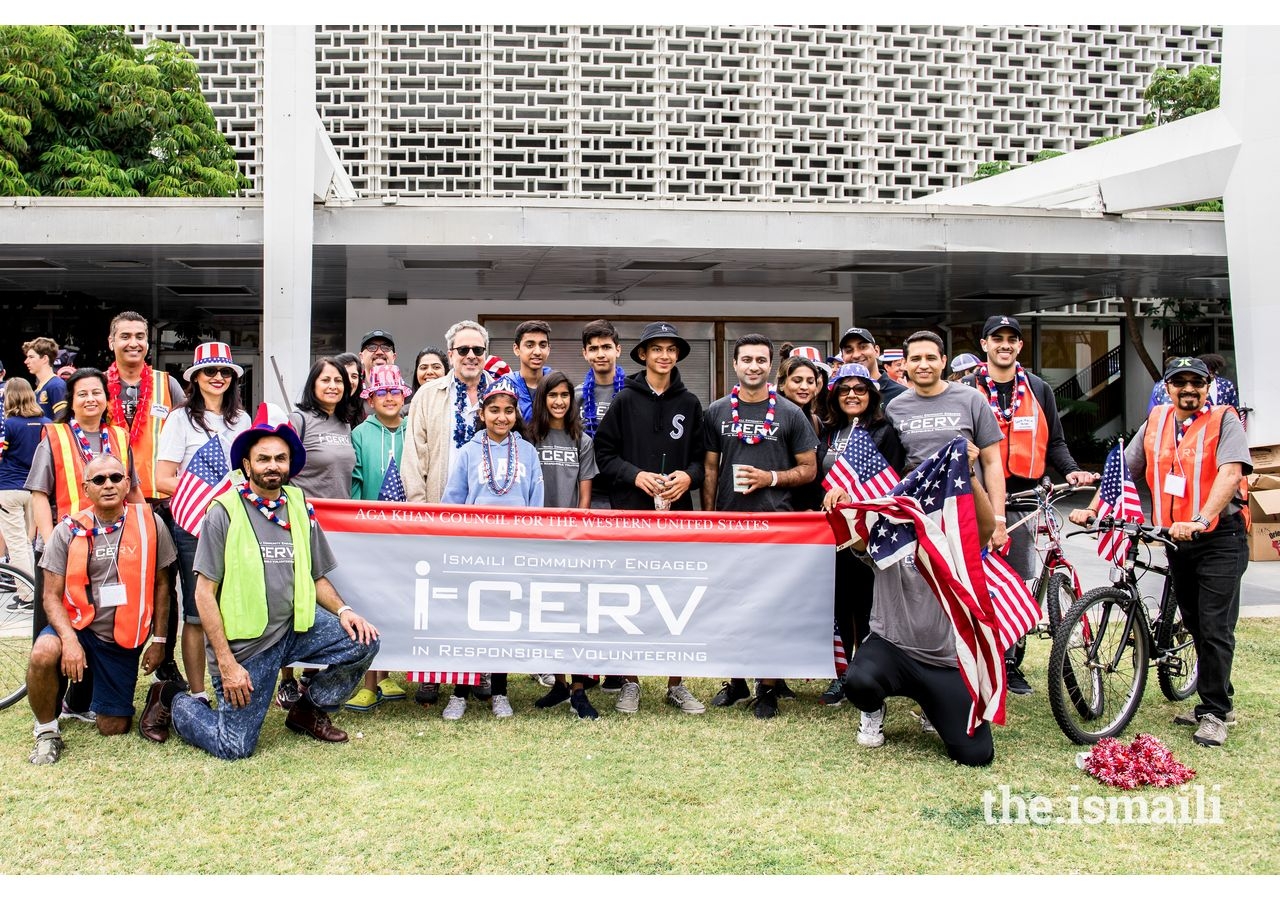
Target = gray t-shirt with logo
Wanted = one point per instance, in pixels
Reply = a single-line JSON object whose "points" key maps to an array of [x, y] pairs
{"points": [[565, 462], [906, 612], [331, 457], [790, 435], [277, 561], [926, 424]]}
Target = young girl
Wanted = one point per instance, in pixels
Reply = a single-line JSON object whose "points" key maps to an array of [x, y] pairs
{"points": [[497, 467], [568, 465], [379, 447]]}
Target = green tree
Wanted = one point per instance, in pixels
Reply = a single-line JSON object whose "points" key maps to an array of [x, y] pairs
{"points": [[1172, 95], [85, 113]]}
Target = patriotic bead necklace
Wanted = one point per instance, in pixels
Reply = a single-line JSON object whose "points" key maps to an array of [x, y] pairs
{"points": [[268, 507], [513, 469], [464, 430], [85, 450], [590, 420], [78, 530], [768, 416], [993, 397]]}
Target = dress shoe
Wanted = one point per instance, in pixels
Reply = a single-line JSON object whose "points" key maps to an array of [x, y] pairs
{"points": [[307, 718], [153, 724]]}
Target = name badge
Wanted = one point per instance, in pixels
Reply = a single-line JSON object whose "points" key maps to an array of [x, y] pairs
{"points": [[159, 411], [1175, 485], [110, 595], [1024, 423]]}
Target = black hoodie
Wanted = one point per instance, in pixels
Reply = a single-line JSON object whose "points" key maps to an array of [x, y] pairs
{"points": [[640, 429]]}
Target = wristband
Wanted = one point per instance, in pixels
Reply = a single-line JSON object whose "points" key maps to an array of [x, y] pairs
{"points": [[774, 482], [343, 608], [1000, 519], [155, 639]]}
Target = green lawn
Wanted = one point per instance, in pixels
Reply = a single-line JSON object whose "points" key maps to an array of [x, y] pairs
{"points": [[657, 792]]}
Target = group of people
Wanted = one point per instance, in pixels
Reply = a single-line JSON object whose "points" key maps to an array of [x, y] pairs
{"points": [[250, 574]]}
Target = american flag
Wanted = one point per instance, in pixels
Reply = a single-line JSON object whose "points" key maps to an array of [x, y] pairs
{"points": [[860, 471], [1016, 610], [467, 678], [1118, 498], [841, 658], [931, 515], [392, 490], [207, 476]]}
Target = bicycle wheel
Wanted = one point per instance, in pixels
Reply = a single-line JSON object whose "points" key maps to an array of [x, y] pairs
{"points": [[1177, 666], [17, 602], [1058, 598], [1098, 665]]}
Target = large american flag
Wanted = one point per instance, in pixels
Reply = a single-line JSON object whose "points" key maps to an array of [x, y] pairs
{"points": [[861, 472], [207, 476], [1017, 612], [1118, 498], [392, 490], [931, 515]]}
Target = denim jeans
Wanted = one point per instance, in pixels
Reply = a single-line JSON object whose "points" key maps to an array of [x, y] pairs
{"points": [[233, 733]]}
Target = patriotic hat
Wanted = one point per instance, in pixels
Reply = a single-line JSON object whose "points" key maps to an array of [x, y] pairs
{"points": [[496, 366], [853, 370], [210, 355], [890, 356], [814, 355], [270, 421], [964, 362], [385, 378], [501, 386]]}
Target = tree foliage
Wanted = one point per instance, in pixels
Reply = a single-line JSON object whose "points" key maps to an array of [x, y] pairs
{"points": [[84, 113], [1174, 96]]}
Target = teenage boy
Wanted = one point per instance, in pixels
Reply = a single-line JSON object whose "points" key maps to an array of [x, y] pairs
{"points": [[759, 445], [604, 380], [532, 348], [649, 445], [51, 391], [858, 346]]}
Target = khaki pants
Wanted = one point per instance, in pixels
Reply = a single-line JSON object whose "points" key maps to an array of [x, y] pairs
{"points": [[15, 515]]}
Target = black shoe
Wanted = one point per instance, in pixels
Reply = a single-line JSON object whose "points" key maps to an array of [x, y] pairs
{"points": [[288, 693], [766, 705], [558, 694], [783, 691], [168, 671], [612, 684], [17, 604], [582, 706], [732, 693], [1016, 681], [426, 694], [834, 694]]}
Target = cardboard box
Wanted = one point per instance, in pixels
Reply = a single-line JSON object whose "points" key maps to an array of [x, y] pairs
{"points": [[1264, 542], [1264, 498], [1265, 459]]}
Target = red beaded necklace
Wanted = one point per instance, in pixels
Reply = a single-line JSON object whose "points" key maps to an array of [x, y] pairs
{"points": [[768, 416]]}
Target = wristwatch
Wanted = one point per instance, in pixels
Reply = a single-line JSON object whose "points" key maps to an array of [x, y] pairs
{"points": [[1201, 519]]}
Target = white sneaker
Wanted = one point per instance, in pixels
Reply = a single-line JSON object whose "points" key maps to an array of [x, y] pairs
{"points": [[628, 698], [502, 706], [545, 680], [926, 727], [679, 696], [871, 728], [455, 708]]}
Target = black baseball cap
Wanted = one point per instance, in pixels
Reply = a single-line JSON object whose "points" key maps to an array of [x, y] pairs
{"points": [[860, 333], [378, 334], [1187, 364], [995, 323]]}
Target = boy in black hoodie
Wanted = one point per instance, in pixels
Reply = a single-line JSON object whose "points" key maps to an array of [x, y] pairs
{"points": [[649, 445]]}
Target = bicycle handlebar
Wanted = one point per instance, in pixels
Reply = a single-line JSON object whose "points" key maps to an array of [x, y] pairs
{"points": [[1149, 534], [1048, 489]]}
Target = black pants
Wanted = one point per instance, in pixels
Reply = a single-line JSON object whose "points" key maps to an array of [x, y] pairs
{"points": [[161, 509], [880, 669], [854, 581], [1206, 576]]}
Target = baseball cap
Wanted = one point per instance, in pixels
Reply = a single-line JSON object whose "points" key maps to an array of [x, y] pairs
{"points": [[1186, 364], [376, 335], [860, 333], [995, 323]]}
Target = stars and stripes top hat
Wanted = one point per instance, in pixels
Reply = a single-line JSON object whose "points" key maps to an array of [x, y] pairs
{"points": [[496, 366], [385, 378], [890, 356], [814, 355], [212, 354], [270, 421]]}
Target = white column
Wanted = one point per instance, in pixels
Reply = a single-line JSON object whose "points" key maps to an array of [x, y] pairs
{"points": [[1250, 72], [289, 109]]}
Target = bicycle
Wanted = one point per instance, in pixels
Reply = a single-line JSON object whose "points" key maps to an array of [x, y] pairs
{"points": [[17, 606], [1106, 644]]}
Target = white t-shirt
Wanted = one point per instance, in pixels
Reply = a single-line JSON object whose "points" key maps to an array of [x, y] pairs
{"points": [[181, 438]]}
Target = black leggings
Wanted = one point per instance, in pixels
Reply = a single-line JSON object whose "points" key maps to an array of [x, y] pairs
{"points": [[498, 680], [854, 580], [880, 669]]}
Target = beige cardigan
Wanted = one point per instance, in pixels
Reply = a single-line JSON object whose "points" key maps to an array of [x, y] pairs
{"points": [[424, 465]]}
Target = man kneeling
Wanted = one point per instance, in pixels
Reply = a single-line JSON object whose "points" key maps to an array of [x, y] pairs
{"points": [[104, 569], [261, 565]]}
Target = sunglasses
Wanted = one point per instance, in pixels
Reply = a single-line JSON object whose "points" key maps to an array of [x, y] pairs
{"points": [[382, 392], [1188, 382], [469, 351], [114, 478], [858, 390], [219, 372]]}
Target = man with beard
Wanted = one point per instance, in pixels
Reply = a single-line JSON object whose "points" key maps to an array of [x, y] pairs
{"points": [[858, 346]]}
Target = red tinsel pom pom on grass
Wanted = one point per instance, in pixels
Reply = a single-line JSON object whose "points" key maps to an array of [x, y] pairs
{"points": [[1147, 761]]}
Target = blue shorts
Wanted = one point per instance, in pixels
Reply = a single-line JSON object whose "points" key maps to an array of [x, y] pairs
{"points": [[115, 673]]}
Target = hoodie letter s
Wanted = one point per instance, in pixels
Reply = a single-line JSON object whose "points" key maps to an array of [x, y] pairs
{"points": [[677, 426]]}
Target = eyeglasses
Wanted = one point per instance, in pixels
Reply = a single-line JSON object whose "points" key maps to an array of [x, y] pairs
{"points": [[1188, 382], [385, 348], [219, 372], [858, 390], [468, 351], [382, 392], [114, 478]]}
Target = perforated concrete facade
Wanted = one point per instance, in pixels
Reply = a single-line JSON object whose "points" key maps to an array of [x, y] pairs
{"points": [[728, 114]]}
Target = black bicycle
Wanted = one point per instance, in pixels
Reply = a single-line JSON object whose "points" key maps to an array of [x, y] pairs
{"points": [[1107, 642], [17, 606]]}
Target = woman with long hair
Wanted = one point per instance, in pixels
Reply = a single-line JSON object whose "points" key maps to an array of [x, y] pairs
{"points": [[355, 411], [802, 379], [430, 363], [22, 430], [213, 412]]}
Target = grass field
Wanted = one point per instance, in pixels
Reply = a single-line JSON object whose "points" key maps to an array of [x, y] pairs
{"points": [[658, 792]]}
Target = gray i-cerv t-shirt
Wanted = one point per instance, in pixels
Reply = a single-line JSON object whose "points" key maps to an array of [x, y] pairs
{"points": [[926, 424]]}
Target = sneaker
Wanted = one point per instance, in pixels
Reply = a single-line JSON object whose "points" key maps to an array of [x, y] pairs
{"points": [[1016, 681], [926, 727], [483, 690], [502, 706], [17, 604], [1212, 731], [364, 700], [766, 705], [49, 747], [168, 671], [628, 698], [558, 694], [582, 706], [288, 693], [87, 716], [1188, 718], [732, 693], [783, 690], [545, 680], [426, 694], [681, 697], [611, 684], [388, 689], [871, 728], [833, 696], [454, 709]]}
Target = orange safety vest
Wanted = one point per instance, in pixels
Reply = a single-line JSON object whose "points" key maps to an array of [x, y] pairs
{"points": [[147, 444], [1025, 448], [136, 565], [1194, 458], [69, 462]]}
